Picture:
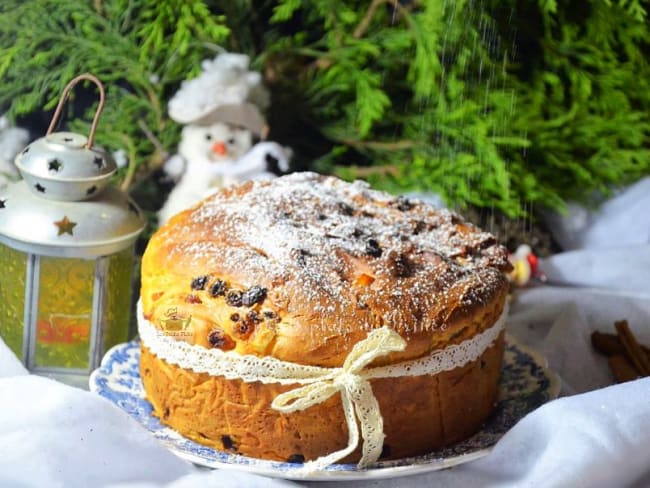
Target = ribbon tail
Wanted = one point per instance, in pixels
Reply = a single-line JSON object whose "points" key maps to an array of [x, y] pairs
{"points": [[372, 423], [353, 440]]}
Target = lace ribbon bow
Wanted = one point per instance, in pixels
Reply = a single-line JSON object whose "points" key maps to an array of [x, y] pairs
{"points": [[357, 397]]}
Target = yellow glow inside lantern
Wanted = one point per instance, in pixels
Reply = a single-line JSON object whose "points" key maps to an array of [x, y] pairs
{"points": [[65, 307], [71, 293], [13, 264]]}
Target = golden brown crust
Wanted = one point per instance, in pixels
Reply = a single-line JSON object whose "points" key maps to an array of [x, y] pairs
{"points": [[420, 413], [335, 260]]}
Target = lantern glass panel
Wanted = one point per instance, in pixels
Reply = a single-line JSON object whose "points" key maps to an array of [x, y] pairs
{"points": [[65, 304], [13, 266], [120, 275]]}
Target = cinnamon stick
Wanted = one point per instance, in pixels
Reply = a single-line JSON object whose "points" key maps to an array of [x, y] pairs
{"points": [[610, 344], [622, 368], [633, 350], [607, 344]]}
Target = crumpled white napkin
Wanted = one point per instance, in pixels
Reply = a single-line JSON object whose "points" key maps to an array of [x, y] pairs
{"points": [[217, 479], [623, 219], [55, 435], [624, 269], [9, 363], [598, 439], [58, 436]]}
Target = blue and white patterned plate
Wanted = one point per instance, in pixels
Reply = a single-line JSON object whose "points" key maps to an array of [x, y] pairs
{"points": [[525, 384]]}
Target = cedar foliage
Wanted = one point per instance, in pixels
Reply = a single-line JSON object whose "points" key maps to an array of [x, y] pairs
{"points": [[140, 50], [500, 104]]}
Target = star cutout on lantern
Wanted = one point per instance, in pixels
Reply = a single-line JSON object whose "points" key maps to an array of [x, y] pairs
{"points": [[99, 162], [40, 188], [2, 203], [54, 165], [65, 225]]}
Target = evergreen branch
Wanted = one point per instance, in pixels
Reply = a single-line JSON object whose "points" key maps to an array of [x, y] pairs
{"points": [[363, 25], [285, 10], [365, 22], [131, 166], [378, 145], [152, 138], [145, 171]]}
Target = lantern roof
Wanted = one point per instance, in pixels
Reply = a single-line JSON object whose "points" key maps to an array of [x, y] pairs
{"points": [[64, 206], [101, 225], [61, 166]]}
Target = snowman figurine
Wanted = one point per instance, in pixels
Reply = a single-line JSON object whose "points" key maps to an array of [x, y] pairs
{"points": [[217, 155], [222, 121]]}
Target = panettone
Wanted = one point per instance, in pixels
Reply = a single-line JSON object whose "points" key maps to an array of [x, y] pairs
{"points": [[390, 310]]}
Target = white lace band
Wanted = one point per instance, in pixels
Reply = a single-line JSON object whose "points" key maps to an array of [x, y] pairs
{"points": [[318, 384]]}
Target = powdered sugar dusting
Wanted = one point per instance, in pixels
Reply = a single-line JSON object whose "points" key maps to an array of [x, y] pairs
{"points": [[344, 245]]}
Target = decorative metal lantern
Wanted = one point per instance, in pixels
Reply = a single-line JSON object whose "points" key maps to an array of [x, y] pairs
{"points": [[66, 253]]}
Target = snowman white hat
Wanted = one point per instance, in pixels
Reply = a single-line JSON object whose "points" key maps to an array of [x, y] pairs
{"points": [[225, 91], [244, 115]]}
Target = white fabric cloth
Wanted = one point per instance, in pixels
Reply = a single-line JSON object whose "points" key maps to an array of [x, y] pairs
{"points": [[624, 269], [595, 436], [9, 364], [623, 219]]}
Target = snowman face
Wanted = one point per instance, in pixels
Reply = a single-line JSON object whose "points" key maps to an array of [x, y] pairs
{"points": [[215, 143]]}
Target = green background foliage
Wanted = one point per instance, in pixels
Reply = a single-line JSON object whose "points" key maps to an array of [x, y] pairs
{"points": [[498, 104]]}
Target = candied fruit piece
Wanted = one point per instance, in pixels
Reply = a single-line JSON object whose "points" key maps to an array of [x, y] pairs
{"points": [[255, 294], [217, 338], [364, 280], [346, 209], [234, 298], [372, 248], [419, 227], [403, 204], [199, 283], [296, 459], [218, 289], [244, 329], [228, 443], [402, 266]]}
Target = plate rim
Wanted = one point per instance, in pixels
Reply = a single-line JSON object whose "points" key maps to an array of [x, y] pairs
{"points": [[266, 467], [555, 382]]}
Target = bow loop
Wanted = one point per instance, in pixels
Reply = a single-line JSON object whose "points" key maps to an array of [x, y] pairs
{"points": [[379, 342], [304, 397], [356, 397]]}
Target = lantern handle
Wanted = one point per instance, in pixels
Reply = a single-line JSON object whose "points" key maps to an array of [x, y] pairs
{"points": [[64, 97]]}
